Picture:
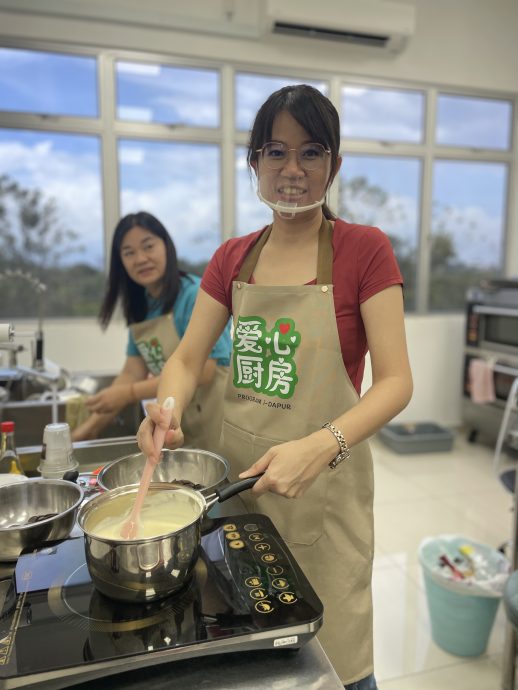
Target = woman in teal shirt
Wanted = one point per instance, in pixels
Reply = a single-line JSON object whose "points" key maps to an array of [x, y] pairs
{"points": [[157, 300]]}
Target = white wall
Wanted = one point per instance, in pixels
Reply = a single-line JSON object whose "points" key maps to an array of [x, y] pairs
{"points": [[462, 43], [434, 343], [435, 351]]}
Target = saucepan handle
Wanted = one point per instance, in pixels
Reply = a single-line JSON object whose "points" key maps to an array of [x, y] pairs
{"points": [[236, 487], [225, 492]]}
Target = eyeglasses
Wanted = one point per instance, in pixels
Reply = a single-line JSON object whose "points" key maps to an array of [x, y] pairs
{"points": [[311, 156]]}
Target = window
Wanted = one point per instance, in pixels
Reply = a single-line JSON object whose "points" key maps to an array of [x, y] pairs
{"points": [[382, 114], [179, 184], [480, 123], [51, 223], [385, 192], [253, 89], [168, 95], [462, 239], [68, 155], [48, 83], [251, 214], [468, 222]]}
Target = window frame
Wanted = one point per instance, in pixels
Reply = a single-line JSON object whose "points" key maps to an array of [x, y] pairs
{"points": [[227, 137]]}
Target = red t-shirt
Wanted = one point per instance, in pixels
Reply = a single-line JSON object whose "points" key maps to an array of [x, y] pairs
{"points": [[363, 264]]}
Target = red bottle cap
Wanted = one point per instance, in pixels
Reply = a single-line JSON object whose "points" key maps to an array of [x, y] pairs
{"points": [[6, 427]]}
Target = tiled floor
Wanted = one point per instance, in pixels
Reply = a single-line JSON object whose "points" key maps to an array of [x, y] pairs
{"points": [[417, 496]]}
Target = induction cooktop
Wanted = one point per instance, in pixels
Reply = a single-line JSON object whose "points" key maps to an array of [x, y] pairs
{"points": [[246, 593]]}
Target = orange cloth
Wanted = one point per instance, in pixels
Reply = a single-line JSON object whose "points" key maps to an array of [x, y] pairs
{"points": [[481, 382]]}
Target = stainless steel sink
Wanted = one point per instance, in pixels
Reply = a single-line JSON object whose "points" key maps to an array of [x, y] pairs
{"points": [[32, 416], [30, 407]]}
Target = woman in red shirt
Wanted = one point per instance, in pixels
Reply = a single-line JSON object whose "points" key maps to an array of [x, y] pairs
{"points": [[309, 295]]}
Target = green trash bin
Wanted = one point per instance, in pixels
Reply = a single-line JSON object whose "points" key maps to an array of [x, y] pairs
{"points": [[462, 612]]}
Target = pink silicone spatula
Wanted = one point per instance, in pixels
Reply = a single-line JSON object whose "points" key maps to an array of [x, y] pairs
{"points": [[130, 527]]}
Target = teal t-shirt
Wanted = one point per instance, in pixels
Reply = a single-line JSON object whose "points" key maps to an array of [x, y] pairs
{"points": [[182, 311]]}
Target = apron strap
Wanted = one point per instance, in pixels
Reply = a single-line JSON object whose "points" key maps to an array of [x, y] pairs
{"points": [[324, 257], [248, 265], [325, 253]]}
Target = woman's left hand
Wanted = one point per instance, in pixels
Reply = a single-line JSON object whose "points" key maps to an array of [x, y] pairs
{"points": [[110, 400], [289, 469]]}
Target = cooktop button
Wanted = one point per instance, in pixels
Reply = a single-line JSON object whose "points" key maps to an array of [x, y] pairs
{"points": [[269, 558], [275, 570], [280, 583], [229, 527], [256, 536], [264, 606], [258, 593], [246, 570], [253, 582], [251, 527], [287, 597], [236, 544], [232, 535], [262, 546]]}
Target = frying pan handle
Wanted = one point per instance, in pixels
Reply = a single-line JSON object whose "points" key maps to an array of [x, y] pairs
{"points": [[236, 488]]}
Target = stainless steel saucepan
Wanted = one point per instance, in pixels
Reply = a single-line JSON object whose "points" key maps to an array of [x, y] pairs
{"points": [[196, 468], [148, 568]]}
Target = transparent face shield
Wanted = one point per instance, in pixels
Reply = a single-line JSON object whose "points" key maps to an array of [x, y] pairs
{"points": [[291, 186]]}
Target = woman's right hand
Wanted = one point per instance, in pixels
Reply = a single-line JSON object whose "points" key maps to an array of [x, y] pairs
{"points": [[155, 416], [110, 400]]}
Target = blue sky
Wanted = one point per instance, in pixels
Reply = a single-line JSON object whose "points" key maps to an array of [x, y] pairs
{"points": [[180, 182], [32, 83]]}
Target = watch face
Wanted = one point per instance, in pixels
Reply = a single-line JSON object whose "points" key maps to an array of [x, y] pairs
{"points": [[339, 458], [334, 462]]}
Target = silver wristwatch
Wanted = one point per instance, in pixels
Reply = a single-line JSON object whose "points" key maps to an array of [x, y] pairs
{"points": [[344, 453]]}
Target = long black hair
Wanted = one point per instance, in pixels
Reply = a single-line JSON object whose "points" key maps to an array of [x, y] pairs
{"points": [[120, 286], [312, 110]]}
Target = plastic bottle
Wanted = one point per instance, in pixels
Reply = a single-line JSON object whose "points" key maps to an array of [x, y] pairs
{"points": [[9, 460], [479, 563]]}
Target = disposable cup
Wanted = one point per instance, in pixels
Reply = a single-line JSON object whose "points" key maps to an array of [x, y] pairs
{"points": [[47, 473], [57, 454]]}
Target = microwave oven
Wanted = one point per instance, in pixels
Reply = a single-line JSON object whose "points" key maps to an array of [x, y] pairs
{"points": [[492, 335], [492, 328]]}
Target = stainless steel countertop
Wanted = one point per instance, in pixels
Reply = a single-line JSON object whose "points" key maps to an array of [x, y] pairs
{"points": [[307, 668]]}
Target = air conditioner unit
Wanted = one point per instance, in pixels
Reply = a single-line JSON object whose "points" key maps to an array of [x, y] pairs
{"points": [[375, 23]]}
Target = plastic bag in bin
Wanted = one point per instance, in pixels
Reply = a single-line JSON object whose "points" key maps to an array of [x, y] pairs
{"points": [[462, 565]]}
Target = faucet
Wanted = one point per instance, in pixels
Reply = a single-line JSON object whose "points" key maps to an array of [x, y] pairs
{"points": [[38, 369], [38, 361], [51, 377]]}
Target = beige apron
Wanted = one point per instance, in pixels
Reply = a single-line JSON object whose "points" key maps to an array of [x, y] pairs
{"points": [[156, 340], [287, 378]]}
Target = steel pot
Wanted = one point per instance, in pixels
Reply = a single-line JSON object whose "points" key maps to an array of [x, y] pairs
{"points": [[147, 569], [197, 468], [35, 512]]}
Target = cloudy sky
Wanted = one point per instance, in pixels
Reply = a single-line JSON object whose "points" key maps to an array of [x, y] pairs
{"points": [[180, 182]]}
